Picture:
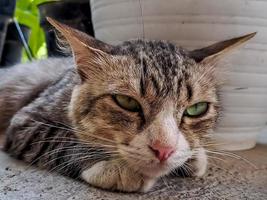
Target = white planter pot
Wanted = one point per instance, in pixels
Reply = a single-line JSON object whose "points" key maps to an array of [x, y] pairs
{"points": [[195, 23]]}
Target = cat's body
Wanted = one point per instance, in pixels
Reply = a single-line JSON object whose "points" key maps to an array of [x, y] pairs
{"points": [[21, 84], [65, 115], [41, 105]]}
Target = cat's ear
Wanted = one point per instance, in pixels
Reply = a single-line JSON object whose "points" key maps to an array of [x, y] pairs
{"points": [[88, 52], [213, 53]]}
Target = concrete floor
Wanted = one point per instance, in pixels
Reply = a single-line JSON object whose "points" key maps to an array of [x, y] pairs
{"points": [[228, 179]]}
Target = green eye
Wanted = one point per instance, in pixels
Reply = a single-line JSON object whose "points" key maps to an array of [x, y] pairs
{"points": [[127, 103], [196, 109]]}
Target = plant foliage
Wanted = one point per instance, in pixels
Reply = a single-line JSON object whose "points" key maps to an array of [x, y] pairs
{"points": [[27, 14]]}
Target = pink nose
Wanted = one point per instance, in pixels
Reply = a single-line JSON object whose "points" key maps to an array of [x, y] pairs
{"points": [[161, 152]]}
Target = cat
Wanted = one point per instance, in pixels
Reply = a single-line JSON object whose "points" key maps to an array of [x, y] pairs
{"points": [[117, 117]]}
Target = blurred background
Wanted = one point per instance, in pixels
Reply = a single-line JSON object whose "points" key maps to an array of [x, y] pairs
{"points": [[25, 34]]}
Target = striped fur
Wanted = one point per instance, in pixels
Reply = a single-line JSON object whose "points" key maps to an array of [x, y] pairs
{"points": [[61, 116]]}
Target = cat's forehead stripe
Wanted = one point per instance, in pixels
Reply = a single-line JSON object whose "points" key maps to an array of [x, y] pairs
{"points": [[161, 65]]}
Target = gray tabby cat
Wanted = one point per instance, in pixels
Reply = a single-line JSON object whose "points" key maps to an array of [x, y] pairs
{"points": [[118, 117]]}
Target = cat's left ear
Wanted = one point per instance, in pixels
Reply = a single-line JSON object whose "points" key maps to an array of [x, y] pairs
{"points": [[213, 53], [88, 51]]}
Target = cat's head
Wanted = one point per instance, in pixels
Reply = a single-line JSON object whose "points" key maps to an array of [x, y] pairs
{"points": [[149, 103]]}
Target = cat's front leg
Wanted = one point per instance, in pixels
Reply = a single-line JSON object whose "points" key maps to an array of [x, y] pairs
{"points": [[200, 163], [113, 176]]}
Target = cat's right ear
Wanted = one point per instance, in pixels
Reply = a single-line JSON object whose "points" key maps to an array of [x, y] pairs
{"points": [[88, 52]]}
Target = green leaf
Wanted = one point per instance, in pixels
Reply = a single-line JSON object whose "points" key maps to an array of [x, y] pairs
{"points": [[27, 13]]}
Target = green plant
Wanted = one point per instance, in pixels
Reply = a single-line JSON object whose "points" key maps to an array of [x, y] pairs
{"points": [[27, 13]]}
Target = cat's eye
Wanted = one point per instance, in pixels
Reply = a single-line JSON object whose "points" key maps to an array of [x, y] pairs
{"points": [[197, 109], [127, 103]]}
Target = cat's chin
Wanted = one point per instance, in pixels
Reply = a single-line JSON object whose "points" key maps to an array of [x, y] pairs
{"points": [[156, 171]]}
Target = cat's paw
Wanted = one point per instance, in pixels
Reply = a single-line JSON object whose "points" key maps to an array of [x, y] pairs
{"points": [[195, 167], [110, 175]]}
